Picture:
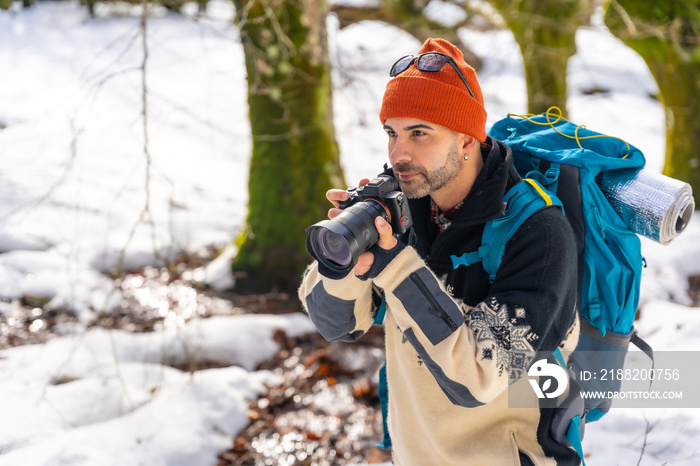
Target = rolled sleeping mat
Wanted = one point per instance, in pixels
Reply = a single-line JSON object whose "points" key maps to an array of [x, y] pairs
{"points": [[650, 204]]}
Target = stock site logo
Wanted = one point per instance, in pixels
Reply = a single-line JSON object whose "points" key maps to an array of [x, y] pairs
{"points": [[548, 373]]}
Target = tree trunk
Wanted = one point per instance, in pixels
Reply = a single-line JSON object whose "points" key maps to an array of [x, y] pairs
{"points": [[295, 157], [667, 36], [545, 31], [408, 16]]}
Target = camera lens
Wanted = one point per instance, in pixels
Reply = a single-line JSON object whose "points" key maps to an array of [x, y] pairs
{"points": [[334, 247], [336, 244]]}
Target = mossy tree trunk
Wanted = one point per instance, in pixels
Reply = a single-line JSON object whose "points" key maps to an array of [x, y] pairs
{"points": [[545, 31], [667, 36], [295, 157]]}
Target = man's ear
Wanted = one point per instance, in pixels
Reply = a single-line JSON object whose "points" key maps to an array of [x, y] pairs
{"points": [[470, 142]]}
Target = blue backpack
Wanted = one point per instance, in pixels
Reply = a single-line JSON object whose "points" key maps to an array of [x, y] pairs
{"points": [[559, 163], [566, 160]]}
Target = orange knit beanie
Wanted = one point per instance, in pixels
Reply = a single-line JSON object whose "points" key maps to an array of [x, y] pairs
{"points": [[438, 97]]}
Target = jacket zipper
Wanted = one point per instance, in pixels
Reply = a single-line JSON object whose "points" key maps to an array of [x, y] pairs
{"points": [[433, 302]]}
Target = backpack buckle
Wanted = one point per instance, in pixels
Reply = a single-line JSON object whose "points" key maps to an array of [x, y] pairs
{"points": [[552, 174]]}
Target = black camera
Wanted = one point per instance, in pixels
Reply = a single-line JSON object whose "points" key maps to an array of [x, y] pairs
{"points": [[337, 243]]}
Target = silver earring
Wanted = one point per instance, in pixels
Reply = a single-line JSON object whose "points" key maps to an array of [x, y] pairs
{"points": [[466, 156]]}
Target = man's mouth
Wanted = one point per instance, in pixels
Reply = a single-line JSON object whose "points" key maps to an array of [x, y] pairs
{"points": [[407, 176]]}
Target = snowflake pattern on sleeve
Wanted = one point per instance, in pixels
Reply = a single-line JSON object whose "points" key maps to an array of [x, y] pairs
{"points": [[503, 336]]}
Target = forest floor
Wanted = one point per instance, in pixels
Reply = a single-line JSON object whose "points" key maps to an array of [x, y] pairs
{"points": [[325, 411]]}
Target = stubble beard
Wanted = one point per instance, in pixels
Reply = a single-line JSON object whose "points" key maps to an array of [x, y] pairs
{"points": [[428, 182]]}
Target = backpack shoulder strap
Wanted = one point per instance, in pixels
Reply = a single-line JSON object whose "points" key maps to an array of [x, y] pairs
{"points": [[522, 200]]}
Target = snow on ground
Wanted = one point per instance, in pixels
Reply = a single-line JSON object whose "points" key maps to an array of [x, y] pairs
{"points": [[112, 397], [81, 193]]}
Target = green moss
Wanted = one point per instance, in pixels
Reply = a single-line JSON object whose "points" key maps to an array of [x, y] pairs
{"points": [[294, 148], [667, 36], [545, 32]]}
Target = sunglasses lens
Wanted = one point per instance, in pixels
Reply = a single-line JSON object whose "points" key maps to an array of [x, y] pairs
{"points": [[401, 65], [432, 62]]}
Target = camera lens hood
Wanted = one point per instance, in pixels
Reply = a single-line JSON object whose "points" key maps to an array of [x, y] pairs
{"points": [[337, 244]]}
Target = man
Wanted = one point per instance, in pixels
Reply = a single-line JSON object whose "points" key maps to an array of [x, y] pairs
{"points": [[455, 341]]}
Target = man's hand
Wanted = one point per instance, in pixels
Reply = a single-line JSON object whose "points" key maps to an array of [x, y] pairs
{"points": [[386, 236], [337, 195], [386, 241]]}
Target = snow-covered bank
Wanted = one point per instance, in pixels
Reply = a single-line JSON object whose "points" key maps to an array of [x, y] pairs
{"points": [[77, 200]]}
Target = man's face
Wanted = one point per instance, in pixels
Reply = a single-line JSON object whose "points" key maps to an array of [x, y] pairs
{"points": [[425, 157]]}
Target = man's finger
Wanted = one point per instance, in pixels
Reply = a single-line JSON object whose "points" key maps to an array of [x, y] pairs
{"points": [[364, 263], [386, 234], [336, 195]]}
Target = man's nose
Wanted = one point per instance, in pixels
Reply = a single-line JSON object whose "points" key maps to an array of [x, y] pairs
{"points": [[399, 152]]}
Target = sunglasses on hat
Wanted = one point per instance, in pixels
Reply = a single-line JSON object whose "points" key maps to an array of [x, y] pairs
{"points": [[429, 61]]}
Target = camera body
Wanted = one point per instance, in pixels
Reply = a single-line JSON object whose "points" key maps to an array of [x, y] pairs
{"points": [[385, 190], [337, 243]]}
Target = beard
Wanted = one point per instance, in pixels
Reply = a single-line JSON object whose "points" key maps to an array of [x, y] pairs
{"points": [[429, 181]]}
